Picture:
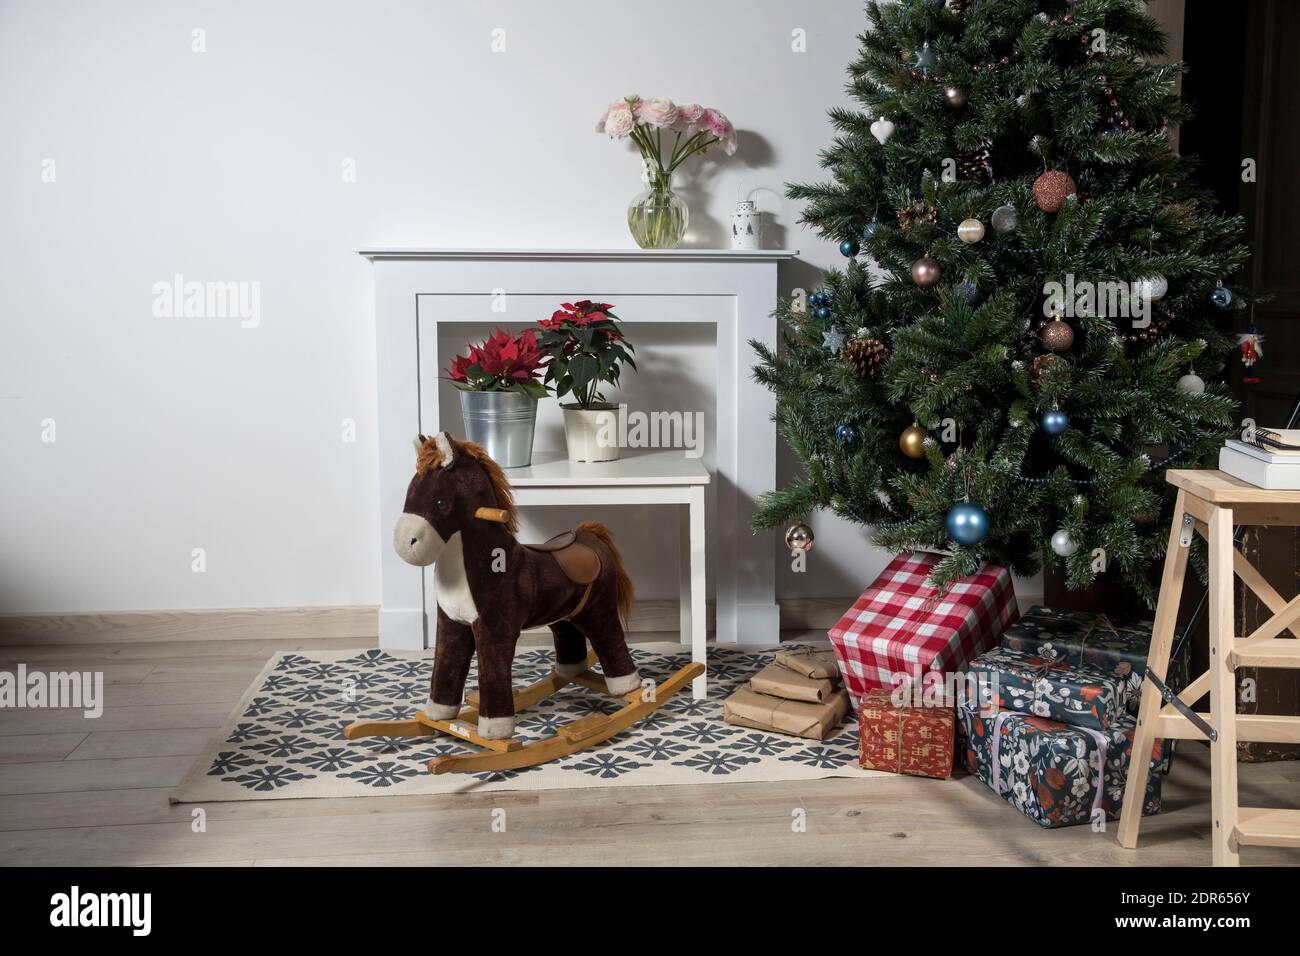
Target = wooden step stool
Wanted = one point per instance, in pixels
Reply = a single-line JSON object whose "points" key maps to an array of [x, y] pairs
{"points": [[1210, 503]]}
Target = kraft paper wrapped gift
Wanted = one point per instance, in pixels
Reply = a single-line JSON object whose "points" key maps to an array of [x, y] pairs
{"points": [[777, 681], [1049, 771], [815, 721], [917, 741], [819, 665]]}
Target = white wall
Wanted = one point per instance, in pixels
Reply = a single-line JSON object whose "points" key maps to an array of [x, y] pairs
{"points": [[174, 434]]}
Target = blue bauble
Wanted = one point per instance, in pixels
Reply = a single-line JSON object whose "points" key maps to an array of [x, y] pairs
{"points": [[1055, 421], [1221, 296], [849, 248], [968, 523], [971, 291], [818, 299], [870, 228], [823, 312], [847, 434]]}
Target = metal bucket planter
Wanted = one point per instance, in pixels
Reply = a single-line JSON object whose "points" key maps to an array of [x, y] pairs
{"points": [[503, 423]]}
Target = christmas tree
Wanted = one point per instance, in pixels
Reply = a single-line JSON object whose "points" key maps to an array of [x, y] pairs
{"points": [[1034, 299]]}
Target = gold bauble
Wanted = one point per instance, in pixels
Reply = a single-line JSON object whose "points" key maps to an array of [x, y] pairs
{"points": [[912, 441], [799, 537], [970, 231]]}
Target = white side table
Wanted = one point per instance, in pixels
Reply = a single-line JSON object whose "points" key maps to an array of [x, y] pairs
{"points": [[662, 477]]}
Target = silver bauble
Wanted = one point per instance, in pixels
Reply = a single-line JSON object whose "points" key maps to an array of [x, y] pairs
{"points": [[1153, 287], [1004, 219], [1191, 383], [1063, 544]]}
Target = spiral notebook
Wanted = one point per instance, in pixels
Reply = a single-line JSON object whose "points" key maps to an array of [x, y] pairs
{"points": [[1266, 452], [1263, 465]]}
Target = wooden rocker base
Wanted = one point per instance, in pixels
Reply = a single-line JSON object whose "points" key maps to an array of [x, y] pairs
{"points": [[511, 753]]}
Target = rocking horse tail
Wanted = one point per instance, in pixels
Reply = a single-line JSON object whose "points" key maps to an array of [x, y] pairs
{"points": [[626, 594]]}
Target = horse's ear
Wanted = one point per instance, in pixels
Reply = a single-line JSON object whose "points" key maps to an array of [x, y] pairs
{"points": [[446, 449]]}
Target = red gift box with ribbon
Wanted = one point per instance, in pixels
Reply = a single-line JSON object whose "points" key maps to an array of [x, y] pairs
{"points": [[902, 627]]}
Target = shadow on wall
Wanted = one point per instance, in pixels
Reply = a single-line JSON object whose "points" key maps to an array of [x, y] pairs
{"points": [[693, 181]]}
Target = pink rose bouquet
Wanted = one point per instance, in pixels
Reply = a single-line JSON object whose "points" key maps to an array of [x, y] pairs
{"points": [[694, 130]]}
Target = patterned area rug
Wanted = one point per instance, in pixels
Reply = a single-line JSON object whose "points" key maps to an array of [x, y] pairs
{"points": [[285, 738]]}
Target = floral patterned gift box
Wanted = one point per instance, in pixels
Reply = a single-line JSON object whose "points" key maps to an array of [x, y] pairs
{"points": [[1049, 770], [1050, 687], [1092, 640]]}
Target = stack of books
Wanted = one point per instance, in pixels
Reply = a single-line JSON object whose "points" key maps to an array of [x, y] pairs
{"points": [[1263, 465]]}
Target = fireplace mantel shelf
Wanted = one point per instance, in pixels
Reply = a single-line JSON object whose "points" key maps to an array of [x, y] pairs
{"points": [[661, 255]]}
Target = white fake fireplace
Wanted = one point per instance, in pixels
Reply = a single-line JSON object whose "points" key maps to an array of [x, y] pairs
{"points": [[419, 291]]}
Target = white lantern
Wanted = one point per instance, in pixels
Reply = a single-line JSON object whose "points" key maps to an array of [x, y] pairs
{"points": [[746, 226]]}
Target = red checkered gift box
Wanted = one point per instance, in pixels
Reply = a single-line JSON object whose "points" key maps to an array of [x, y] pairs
{"points": [[902, 625]]}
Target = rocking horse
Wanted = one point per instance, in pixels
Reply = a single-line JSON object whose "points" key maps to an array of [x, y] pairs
{"points": [[460, 517]]}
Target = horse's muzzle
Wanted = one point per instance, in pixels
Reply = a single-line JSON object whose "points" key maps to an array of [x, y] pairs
{"points": [[416, 541]]}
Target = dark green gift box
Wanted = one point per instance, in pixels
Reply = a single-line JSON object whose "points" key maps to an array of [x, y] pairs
{"points": [[1092, 641]]}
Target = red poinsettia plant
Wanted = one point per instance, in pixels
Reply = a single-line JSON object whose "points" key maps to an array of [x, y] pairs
{"points": [[586, 349], [501, 363]]}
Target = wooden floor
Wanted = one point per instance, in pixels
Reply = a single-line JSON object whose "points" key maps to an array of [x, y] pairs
{"points": [[80, 792]]}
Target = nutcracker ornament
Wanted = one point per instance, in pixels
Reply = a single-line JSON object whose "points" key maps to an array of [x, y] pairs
{"points": [[1252, 349]]}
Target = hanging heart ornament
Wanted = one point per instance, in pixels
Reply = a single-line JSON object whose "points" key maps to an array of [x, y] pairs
{"points": [[882, 129]]}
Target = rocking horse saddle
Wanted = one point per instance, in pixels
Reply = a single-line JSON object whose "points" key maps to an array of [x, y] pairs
{"points": [[580, 563]]}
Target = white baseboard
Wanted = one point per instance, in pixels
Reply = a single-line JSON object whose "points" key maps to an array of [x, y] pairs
{"points": [[221, 624], [360, 621]]}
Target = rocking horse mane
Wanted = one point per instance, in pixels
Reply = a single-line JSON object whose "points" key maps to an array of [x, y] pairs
{"points": [[430, 456]]}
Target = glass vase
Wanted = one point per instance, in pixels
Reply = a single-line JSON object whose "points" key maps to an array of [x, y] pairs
{"points": [[657, 217]]}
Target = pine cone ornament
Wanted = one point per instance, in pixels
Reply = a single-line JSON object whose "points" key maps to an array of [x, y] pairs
{"points": [[865, 356], [1041, 364], [919, 212], [975, 166]]}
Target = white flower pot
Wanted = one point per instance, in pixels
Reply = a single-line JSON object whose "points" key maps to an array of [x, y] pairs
{"points": [[591, 434]]}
